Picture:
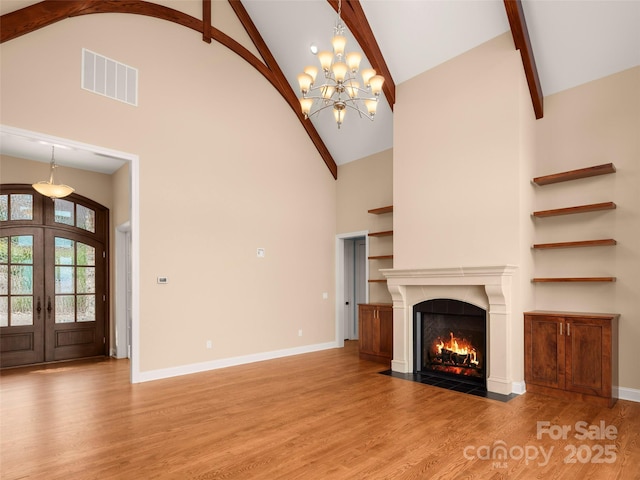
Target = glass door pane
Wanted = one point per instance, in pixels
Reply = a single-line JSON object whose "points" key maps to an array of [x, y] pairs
{"points": [[75, 281], [16, 280]]}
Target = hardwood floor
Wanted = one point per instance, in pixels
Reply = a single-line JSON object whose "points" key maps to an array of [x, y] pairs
{"points": [[324, 415]]}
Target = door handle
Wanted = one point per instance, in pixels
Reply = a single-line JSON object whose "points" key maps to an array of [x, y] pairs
{"points": [[568, 329], [49, 305], [38, 307], [560, 328]]}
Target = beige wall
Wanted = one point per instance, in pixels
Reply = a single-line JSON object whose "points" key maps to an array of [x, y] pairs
{"points": [[208, 197], [592, 124], [362, 185], [456, 137], [464, 157]]}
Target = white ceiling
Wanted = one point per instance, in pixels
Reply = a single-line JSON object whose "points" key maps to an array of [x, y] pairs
{"points": [[573, 41]]}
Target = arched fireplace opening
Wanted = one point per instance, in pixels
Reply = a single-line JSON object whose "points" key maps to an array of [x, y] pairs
{"points": [[450, 339]]}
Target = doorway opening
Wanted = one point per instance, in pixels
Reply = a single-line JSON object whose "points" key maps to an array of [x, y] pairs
{"points": [[352, 271], [123, 298], [134, 215]]}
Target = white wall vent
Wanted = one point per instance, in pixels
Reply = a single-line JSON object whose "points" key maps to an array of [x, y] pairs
{"points": [[107, 77]]}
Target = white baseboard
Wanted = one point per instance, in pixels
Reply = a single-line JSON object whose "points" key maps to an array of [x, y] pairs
{"points": [[624, 393], [230, 362], [518, 388]]}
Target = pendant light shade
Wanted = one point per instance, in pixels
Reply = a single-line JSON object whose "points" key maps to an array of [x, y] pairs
{"points": [[50, 188]]}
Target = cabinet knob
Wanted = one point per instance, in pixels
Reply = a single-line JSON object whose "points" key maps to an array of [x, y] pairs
{"points": [[560, 328]]}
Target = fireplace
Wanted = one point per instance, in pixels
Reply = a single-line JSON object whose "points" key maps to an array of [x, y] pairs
{"points": [[450, 340], [486, 287]]}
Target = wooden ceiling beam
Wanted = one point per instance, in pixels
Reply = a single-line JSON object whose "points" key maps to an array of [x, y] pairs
{"points": [[522, 42], [206, 20], [356, 21], [47, 12]]}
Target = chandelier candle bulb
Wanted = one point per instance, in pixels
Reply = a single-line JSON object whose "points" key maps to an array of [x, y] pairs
{"points": [[376, 84], [372, 107], [312, 72], [327, 92], [305, 81], [339, 42], [325, 58], [353, 60], [352, 89], [367, 74], [339, 112], [306, 104], [339, 71]]}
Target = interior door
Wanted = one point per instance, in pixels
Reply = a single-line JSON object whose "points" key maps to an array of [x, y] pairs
{"points": [[360, 279], [349, 293]]}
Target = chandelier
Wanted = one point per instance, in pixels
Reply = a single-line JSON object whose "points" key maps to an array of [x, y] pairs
{"points": [[49, 188], [340, 89]]}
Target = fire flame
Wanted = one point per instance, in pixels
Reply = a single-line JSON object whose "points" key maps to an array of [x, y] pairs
{"points": [[455, 348]]}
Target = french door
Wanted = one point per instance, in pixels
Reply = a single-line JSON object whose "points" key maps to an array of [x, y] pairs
{"points": [[53, 288]]}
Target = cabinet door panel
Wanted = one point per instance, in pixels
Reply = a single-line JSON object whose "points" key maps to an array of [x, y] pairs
{"points": [[544, 351], [367, 329], [386, 332], [585, 357]]}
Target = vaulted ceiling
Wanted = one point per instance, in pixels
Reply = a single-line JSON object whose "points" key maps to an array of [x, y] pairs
{"points": [[563, 44]]}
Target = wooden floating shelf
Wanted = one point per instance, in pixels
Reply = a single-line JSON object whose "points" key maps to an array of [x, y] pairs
{"points": [[574, 279], [584, 243], [381, 234], [380, 257], [378, 281], [575, 174], [381, 210], [594, 207]]}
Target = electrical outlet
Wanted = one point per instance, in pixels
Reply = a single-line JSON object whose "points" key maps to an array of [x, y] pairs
{"points": [[300, 332], [260, 253], [209, 344]]}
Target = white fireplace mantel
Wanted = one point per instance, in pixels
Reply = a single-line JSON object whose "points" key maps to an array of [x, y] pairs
{"points": [[487, 287]]}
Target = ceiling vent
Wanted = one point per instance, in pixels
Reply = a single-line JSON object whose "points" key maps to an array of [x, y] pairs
{"points": [[107, 77]]}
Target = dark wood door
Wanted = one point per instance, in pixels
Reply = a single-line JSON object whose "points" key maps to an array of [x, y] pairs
{"points": [[75, 296], [588, 366], [21, 296], [53, 277], [544, 351]]}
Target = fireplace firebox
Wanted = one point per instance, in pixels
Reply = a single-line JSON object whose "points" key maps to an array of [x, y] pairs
{"points": [[450, 339]]}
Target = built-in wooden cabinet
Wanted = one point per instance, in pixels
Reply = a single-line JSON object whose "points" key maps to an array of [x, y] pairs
{"points": [[376, 332], [604, 169], [572, 355]]}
